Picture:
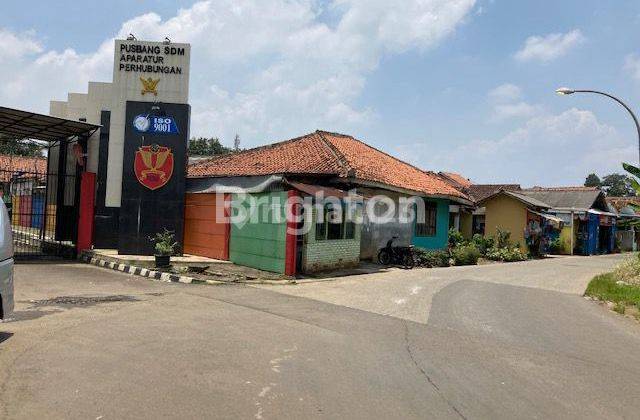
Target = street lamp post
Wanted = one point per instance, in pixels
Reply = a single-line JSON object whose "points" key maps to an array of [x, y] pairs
{"points": [[567, 91]]}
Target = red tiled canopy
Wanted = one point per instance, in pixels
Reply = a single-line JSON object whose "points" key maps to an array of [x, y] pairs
{"points": [[325, 153]]}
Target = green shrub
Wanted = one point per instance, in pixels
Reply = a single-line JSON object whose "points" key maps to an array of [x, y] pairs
{"points": [[465, 255], [482, 243], [455, 238], [165, 243], [555, 246], [506, 254], [620, 308], [427, 258], [502, 239]]}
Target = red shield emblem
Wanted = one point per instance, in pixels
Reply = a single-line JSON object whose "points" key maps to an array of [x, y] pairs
{"points": [[153, 166]]}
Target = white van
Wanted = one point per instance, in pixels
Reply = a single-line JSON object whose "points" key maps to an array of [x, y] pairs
{"points": [[6, 263]]}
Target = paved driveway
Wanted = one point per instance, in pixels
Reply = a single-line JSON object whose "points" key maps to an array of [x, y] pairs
{"points": [[490, 349], [409, 294]]}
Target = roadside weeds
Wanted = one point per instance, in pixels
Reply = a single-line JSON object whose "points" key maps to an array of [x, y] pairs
{"points": [[619, 296]]}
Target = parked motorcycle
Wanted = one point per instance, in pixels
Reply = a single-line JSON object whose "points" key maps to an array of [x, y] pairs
{"points": [[399, 255]]}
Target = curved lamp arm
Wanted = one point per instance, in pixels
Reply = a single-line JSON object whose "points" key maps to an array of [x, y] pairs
{"points": [[566, 91]]}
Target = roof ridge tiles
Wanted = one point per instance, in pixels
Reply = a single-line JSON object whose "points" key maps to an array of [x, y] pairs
{"points": [[253, 149], [340, 157]]}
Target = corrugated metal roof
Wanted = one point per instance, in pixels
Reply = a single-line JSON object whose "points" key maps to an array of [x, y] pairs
{"points": [[580, 199], [528, 201], [315, 190], [15, 123]]}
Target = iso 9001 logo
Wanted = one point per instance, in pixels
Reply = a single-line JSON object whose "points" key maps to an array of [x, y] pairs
{"points": [[153, 124], [141, 123]]}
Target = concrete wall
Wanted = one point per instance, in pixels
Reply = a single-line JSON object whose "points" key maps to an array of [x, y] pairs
{"points": [[441, 239], [329, 254], [261, 245], [375, 235], [98, 99], [466, 224], [172, 88], [506, 213], [125, 86], [565, 238], [626, 238]]}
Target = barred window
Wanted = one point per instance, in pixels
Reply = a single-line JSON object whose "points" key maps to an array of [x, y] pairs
{"points": [[332, 224], [427, 227]]}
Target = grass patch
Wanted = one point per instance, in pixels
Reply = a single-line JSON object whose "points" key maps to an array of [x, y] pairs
{"points": [[604, 287]]}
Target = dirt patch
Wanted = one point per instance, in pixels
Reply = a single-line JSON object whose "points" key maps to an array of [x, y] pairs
{"points": [[230, 273], [81, 300]]}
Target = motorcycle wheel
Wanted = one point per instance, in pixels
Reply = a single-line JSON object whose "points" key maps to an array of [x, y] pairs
{"points": [[408, 262], [384, 257]]}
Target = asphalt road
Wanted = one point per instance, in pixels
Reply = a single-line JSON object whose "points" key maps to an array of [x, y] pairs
{"points": [[490, 349]]}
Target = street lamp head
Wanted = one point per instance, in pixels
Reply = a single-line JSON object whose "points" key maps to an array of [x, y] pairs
{"points": [[565, 91]]}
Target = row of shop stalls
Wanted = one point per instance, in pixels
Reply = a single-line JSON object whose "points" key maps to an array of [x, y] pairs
{"points": [[24, 197], [583, 233], [567, 221], [589, 223]]}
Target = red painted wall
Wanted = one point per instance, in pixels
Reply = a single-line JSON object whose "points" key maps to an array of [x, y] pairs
{"points": [[87, 206], [290, 251]]}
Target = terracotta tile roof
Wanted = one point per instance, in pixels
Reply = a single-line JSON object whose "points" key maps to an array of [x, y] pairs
{"points": [[457, 179], [302, 155], [10, 164], [325, 153], [479, 192], [625, 205]]}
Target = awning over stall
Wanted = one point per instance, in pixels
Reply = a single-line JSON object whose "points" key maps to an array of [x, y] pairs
{"points": [[315, 190], [17, 124], [555, 221], [235, 184]]}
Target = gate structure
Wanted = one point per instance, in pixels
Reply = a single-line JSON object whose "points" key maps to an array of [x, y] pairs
{"points": [[43, 195], [42, 207]]}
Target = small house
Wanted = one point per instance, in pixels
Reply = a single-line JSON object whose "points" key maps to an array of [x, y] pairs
{"points": [[589, 222], [328, 170], [524, 217]]}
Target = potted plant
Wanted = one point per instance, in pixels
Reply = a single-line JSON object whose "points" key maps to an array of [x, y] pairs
{"points": [[165, 245]]}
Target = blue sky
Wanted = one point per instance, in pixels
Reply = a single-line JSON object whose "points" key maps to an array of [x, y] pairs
{"points": [[456, 85]]}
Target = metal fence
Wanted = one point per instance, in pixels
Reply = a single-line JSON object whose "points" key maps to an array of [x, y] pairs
{"points": [[43, 208]]}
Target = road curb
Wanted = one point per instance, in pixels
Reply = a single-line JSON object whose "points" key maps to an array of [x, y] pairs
{"points": [[138, 271]]}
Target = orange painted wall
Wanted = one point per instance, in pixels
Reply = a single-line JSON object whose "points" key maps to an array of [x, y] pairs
{"points": [[202, 235]]}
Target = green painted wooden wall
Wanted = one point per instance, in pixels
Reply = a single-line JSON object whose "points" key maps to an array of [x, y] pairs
{"points": [[260, 243], [441, 239]]}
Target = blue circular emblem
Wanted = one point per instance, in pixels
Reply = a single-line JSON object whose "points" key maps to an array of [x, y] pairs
{"points": [[141, 123]]}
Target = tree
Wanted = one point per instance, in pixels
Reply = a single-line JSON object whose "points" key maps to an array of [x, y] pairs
{"points": [[9, 146], [633, 181], [592, 180], [618, 185], [202, 146]]}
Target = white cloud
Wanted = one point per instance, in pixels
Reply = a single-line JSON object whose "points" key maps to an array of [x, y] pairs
{"points": [[547, 48], [265, 69], [520, 109], [506, 101], [632, 65], [15, 46], [505, 93], [548, 149]]}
